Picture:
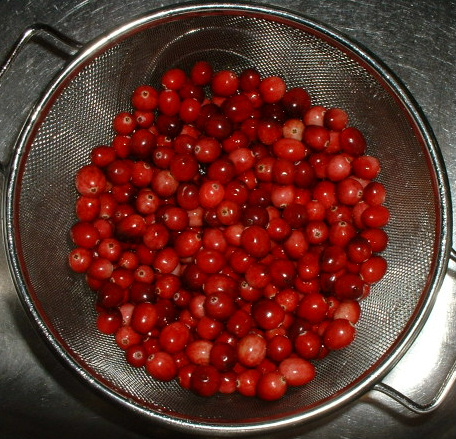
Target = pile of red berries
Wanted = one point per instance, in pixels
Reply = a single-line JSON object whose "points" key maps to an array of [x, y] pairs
{"points": [[230, 231]]}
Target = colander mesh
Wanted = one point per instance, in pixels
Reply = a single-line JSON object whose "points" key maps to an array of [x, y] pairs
{"points": [[80, 118]]}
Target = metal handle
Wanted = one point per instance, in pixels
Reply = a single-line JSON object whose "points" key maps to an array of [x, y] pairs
{"points": [[52, 40], [407, 402], [453, 255], [441, 394]]}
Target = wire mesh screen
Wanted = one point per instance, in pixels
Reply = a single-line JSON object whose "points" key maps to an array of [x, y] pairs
{"points": [[79, 118]]}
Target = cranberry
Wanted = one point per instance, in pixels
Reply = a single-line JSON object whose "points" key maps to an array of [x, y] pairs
{"points": [[109, 321], [269, 131], [376, 216], [373, 269], [174, 79], [272, 89], [349, 310], [145, 98], [271, 386], [358, 249], [297, 371], [247, 382], [144, 317], [174, 337], [367, 167], [315, 115], [339, 334], [352, 141], [85, 234], [237, 108], [255, 240], [268, 314], [335, 119], [100, 268], [225, 83], [316, 137], [219, 305], [308, 344], [349, 286], [296, 102], [124, 123], [377, 238], [90, 181], [161, 366], [201, 73], [289, 149], [223, 356], [255, 215], [80, 259], [313, 308], [251, 350], [126, 336], [142, 143], [374, 193]]}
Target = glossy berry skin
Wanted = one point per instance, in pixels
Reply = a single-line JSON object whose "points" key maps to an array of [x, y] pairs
{"points": [[80, 259], [109, 321], [144, 317], [251, 350], [313, 308], [296, 102], [308, 345], [272, 89], [225, 83], [297, 371], [219, 305], [268, 314], [174, 337], [161, 366], [255, 240], [205, 380], [90, 181], [145, 98], [124, 123], [271, 386], [353, 141], [349, 286], [339, 334], [223, 356]]}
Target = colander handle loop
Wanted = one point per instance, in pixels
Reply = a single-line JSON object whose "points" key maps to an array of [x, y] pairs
{"points": [[453, 254], [50, 38], [414, 406]]}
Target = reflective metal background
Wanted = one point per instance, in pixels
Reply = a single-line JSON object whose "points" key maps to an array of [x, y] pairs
{"points": [[41, 398]]}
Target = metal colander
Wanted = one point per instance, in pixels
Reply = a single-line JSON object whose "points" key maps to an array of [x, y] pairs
{"points": [[75, 115]]}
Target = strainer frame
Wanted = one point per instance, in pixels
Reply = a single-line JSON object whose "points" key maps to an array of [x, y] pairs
{"points": [[102, 43]]}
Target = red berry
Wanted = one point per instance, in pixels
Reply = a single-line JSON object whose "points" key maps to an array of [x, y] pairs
{"points": [[161, 366], [297, 371], [339, 334], [225, 83], [272, 89], [144, 317], [251, 350], [268, 314], [201, 73], [90, 181], [145, 98], [271, 386]]}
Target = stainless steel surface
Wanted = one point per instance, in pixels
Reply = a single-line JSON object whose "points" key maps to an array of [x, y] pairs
{"points": [[417, 42]]}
